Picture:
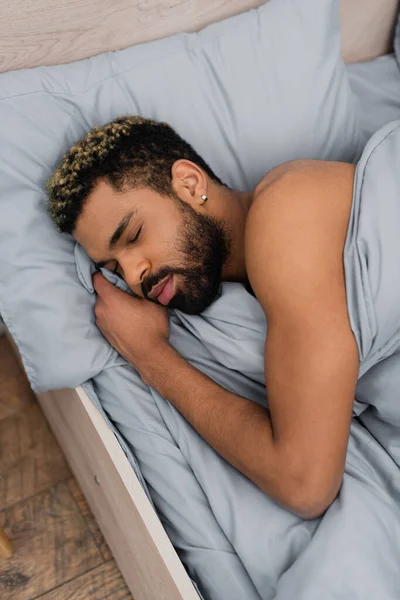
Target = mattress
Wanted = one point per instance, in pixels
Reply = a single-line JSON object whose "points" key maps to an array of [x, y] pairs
{"points": [[235, 541]]}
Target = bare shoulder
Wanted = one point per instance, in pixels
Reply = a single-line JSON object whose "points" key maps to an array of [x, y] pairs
{"points": [[296, 227], [305, 168], [306, 177]]}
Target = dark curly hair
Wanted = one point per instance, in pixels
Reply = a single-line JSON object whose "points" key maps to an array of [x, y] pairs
{"points": [[129, 153]]}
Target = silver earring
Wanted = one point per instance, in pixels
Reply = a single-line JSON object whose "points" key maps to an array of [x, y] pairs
{"points": [[204, 198]]}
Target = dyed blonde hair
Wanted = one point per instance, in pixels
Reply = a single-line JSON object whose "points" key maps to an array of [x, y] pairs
{"points": [[129, 153]]}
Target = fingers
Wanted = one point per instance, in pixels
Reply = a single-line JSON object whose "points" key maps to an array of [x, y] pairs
{"points": [[100, 283]]}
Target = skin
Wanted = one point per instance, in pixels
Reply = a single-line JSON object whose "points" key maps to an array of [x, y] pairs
{"points": [[286, 240]]}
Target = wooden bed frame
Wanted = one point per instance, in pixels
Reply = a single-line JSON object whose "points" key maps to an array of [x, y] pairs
{"points": [[47, 32]]}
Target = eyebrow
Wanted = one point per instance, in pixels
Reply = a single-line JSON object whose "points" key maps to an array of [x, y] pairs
{"points": [[116, 236]]}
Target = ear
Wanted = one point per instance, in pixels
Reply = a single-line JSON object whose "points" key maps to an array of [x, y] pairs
{"points": [[189, 181]]}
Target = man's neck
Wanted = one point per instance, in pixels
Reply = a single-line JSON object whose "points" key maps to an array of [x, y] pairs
{"points": [[235, 206]]}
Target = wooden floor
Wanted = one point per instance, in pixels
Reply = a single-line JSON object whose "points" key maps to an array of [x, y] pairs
{"points": [[59, 552]]}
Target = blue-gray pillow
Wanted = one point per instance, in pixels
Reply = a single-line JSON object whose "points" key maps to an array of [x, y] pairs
{"points": [[396, 39], [248, 93]]}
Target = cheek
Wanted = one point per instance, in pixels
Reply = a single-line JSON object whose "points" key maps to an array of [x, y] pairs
{"points": [[163, 228], [165, 240]]}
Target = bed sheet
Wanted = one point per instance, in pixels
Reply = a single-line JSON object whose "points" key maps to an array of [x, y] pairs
{"points": [[235, 541]]}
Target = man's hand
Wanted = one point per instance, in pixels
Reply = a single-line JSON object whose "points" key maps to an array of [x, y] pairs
{"points": [[136, 328]]}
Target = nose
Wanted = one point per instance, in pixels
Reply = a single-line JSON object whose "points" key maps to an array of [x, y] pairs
{"points": [[135, 271]]}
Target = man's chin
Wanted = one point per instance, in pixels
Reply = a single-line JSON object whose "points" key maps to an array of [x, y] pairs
{"points": [[191, 306]]}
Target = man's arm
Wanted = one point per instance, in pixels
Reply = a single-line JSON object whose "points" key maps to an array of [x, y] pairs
{"points": [[294, 252], [296, 450], [294, 242], [238, 429]]}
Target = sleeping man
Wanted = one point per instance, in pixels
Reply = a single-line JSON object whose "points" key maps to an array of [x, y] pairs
{"points": [[142, 203]]}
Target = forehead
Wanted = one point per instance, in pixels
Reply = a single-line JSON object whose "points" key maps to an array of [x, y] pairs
{"points": [[104, 200], [105, 203], [102, 210]]}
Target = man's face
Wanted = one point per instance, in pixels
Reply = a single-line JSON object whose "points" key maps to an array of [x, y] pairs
{"points": [[164, 249]]}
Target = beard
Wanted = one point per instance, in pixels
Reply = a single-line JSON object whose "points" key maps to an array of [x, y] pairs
{"points": [[204, 247]]}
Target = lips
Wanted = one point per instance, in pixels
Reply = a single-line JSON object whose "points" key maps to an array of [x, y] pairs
{"points": [[167, 292], [156, 290]]}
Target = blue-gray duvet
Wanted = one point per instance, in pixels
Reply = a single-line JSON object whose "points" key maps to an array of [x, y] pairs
{"points": [[234, 540]]}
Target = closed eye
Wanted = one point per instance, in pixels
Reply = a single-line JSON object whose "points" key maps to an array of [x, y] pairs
{"points": [[136, 237]]}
